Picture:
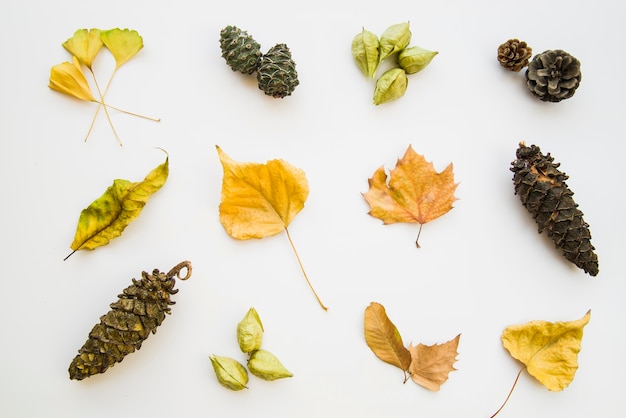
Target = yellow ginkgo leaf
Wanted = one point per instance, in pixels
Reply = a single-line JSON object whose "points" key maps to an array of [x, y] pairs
{"points": [[84, 45], [260, 200], [69, 78], [123, 44], [549, 350]]}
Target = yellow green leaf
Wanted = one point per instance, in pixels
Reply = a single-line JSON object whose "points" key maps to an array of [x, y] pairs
{"points": [[384, 339], [260, 200], [549, 350], [84, 45], [69, 78], [107, 217], [123, 44]]}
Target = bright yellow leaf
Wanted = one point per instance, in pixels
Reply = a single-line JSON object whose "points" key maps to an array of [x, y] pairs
{"points": [[84, 45], [260, 200], [69, 78], [416, 193], [549, 350], [123, 44]]}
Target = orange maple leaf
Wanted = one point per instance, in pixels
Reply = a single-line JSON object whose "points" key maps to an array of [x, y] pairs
{"points": [[416, 192], [431, 364]]}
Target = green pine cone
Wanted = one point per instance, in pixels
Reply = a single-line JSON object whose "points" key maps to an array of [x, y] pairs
{"points": [[277, 75], [241, 52], [542, 189]]}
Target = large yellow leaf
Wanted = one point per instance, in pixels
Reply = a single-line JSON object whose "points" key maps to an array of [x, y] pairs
{"points": [[384, 339], [107, 217], [416, 193], [549, 350], [260, 200], [431, 364]]}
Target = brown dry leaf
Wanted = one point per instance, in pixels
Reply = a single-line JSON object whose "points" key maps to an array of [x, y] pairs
{"points": [[384, 339], [430, 364], [416, 193]]}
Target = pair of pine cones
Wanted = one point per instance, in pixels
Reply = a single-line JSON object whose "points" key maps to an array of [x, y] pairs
{"points": [[276, 70], [552, 76]]}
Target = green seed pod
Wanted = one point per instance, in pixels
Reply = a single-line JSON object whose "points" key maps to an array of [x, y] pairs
{"points": [[230, 373], [395, 38], [250, 332], [390, 86], [365, 52], [415, 59], [265, 365]]}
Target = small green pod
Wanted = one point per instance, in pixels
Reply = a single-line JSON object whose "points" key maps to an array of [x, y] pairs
{"points": [[390, 86], [230, 373], [395, 38], [365, 50], [250, 332], [265, 365], [415, 59]]}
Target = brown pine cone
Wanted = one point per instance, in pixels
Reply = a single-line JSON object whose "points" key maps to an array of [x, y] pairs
{"points": [[140, 309], [543, 191], [553, 75], [514, 54]]}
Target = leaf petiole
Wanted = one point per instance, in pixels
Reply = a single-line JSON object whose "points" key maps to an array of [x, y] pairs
{"points": [[510, 392], [303, 272]]}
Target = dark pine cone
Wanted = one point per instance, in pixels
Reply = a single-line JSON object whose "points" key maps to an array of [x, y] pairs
{"points": [[553, 75], [140, 309], [543, 191], [277, 75], [514, 54], [241, 52]]}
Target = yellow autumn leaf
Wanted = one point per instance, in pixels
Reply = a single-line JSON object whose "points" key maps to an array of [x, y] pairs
{"points": [[416, 192], [431, 364], [383, 338], [123, 44], [107, 217], [84, 45], [68, 78], [549, 350], [261, 200]]}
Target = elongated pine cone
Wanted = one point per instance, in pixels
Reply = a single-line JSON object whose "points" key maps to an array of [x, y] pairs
{"points": [[553, 75], [277, 75], [543, 191], [140, 309], [241, 52], [514, 54]]}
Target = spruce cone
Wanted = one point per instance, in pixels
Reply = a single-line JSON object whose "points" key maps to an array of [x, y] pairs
{"points": [[543, 191], [514, 54], [553, 75], [241, 52], [140, 309], [277, 75]]}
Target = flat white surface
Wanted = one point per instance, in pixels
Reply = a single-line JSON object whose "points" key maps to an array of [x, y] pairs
{"points": [[481, 267]]}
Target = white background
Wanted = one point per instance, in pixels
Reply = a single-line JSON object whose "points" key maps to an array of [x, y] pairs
{"points": [[481, 268]]}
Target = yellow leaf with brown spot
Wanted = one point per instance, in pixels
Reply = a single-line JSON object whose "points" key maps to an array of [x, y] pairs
{"points": [[431, 364], [415, 193]]}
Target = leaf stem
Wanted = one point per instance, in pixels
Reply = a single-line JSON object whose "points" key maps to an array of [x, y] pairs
{"points": [[131, 113], [101, 103], [418, 236], [510, 392], [303, 272]]}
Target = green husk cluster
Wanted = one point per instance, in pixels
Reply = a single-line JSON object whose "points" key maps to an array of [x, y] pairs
{"points": [[275, 70], [369, 52], [232, 374]]}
